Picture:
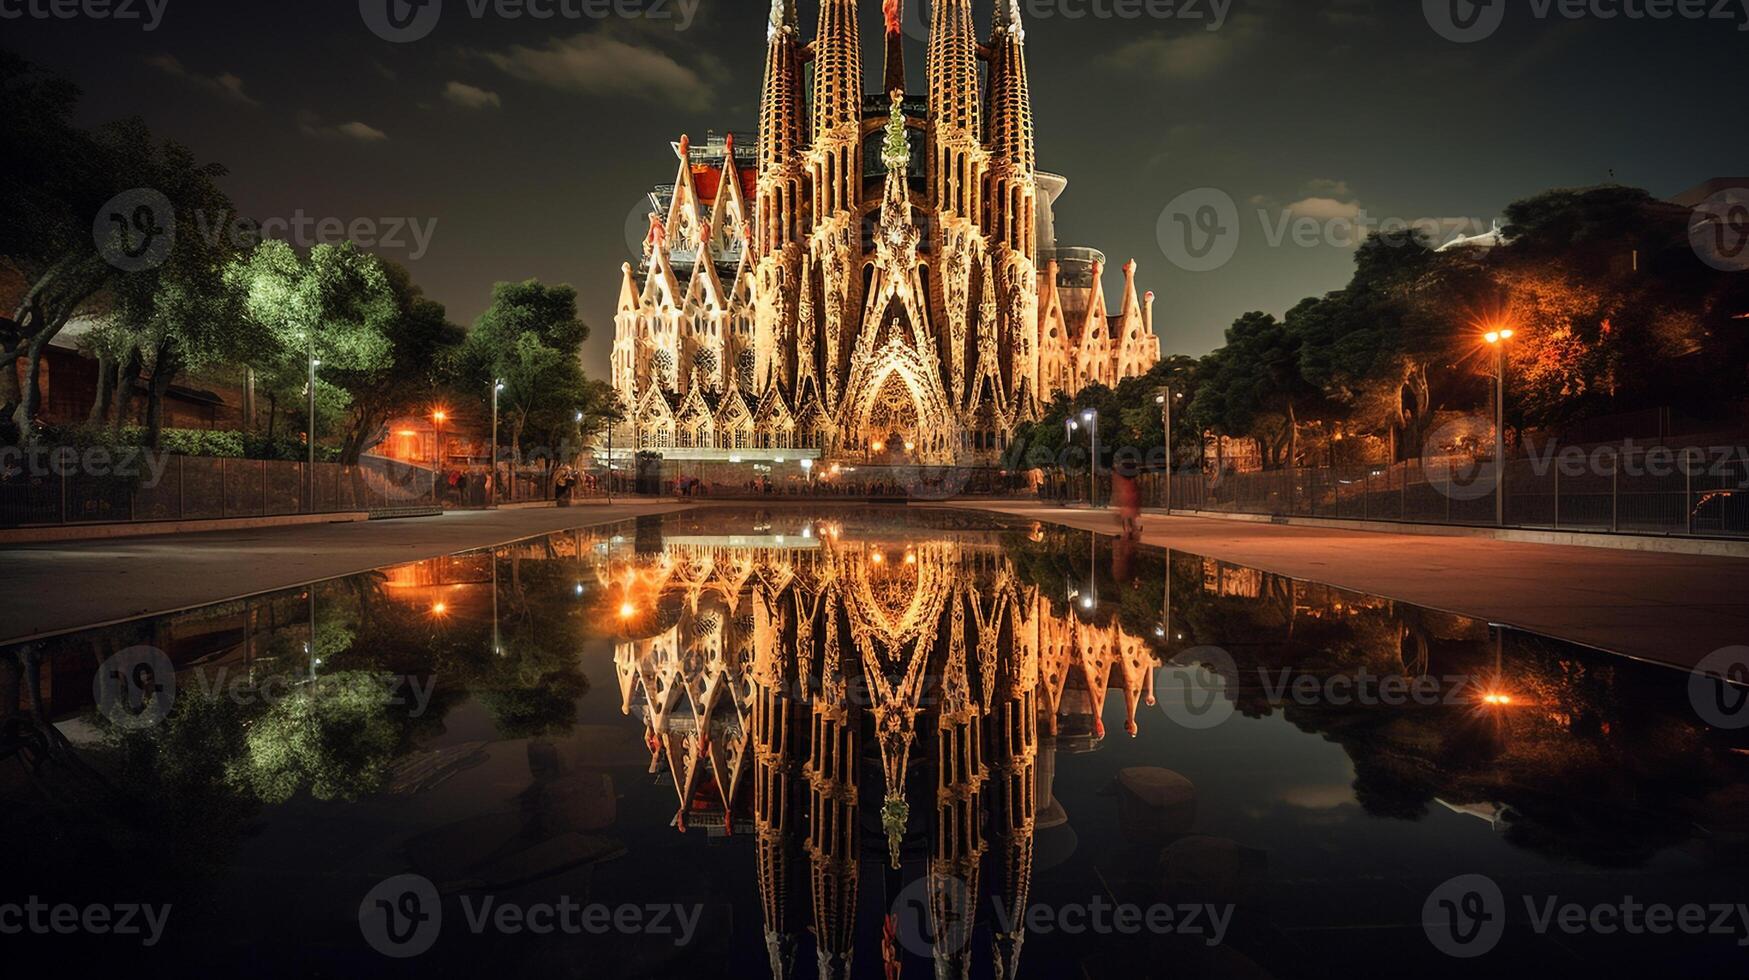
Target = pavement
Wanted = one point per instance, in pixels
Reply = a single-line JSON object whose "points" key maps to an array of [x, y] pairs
{"points": [[56, 587], [1667, 608], [1673, 609]]}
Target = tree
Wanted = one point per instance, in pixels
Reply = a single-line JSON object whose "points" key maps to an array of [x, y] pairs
{"points": [[336, 306], [59, 178], [422, 348], [531, 340], [1254, 385], [182, 313]]}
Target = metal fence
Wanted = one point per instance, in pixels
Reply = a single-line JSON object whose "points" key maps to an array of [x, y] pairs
{"points": [[189, 488], [1698, 492]]}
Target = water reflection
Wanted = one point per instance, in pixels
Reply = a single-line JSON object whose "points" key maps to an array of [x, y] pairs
{"points": [[885, 730]]}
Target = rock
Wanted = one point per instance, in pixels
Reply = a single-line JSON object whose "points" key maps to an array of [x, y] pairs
{"points": [[1211, 869], [1154, 804]]}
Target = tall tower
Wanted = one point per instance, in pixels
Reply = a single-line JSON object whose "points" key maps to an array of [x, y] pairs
{"points": [[836, 162], [955, 124], [782, 135], [1013, 193], [780, 208], [1011, 221]]}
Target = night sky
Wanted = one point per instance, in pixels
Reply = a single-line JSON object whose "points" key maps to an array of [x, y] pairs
{"points": [[530, 141]]}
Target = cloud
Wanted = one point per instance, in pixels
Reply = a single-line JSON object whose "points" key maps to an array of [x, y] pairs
{"points": [[469, 97], [604, 64], [224, 85], [1328, 188], [1195, 55], [1325, 208], [312, 125]]}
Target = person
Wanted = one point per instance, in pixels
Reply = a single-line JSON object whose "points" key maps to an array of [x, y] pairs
{"points": [[562, 480], [1126, 499]]}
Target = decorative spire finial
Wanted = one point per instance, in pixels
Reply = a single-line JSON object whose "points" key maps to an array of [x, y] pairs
{"points": [[893, 10], [779, 19], [896, 151]]}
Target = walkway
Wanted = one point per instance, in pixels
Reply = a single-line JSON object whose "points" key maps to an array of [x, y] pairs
{"points": [[1673, 609], [52, 588]]}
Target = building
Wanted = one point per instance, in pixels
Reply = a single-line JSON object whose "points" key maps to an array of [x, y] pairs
{"points": [[876, 277]]}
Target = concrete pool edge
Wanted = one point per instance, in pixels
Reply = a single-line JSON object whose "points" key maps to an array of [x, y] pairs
{"points": [[1672, 610]]}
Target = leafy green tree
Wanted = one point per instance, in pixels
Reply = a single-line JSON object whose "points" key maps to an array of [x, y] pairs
{"points": [[60, 180], [422, 349], [336, 305], [183, 313], [531, 339]]}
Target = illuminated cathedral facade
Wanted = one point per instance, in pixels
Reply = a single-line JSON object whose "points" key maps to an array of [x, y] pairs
{"points": [[876, 277]]}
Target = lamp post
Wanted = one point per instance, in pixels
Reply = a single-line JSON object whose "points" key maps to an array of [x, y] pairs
{"points": [[1497, 339], [1091, 417], [310, 476], [1069, 427], [1164, 400], [437, 419], [497, 386]]}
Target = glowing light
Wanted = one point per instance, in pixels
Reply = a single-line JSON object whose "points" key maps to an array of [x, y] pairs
{"points": [[880, 447], [627, 610], [910, 447], [910, 559], [1087, 602], [439, 608], [1497, 698], [440, 415], [877, 558]]}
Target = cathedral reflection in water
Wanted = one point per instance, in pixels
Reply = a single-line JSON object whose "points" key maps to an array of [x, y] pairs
{"points": [[846, 701]]}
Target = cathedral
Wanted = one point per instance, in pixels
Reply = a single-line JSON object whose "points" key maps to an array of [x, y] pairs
{"points": [[876, 278]]}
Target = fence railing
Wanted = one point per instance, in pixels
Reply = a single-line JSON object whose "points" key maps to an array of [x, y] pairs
{"points": [[190, 488], [1698, 492]]}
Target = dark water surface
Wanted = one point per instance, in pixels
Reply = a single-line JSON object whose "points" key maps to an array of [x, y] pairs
{"points": [[849, 741]]}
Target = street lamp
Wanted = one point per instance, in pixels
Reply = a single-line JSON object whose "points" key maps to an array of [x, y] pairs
{"points": [[437, 418], [1497, 339], [1165, 399], [310, 477], [497, 386], [1091, 417]]}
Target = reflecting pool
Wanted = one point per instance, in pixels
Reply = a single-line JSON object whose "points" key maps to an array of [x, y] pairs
{"points": [[870, 742]]}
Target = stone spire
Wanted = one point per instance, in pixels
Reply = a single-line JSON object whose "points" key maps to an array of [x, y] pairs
{"points": [[782, 136], [1010, 137], [956, 124], [837, 111]]}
